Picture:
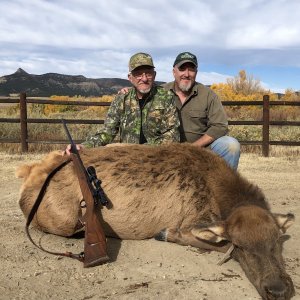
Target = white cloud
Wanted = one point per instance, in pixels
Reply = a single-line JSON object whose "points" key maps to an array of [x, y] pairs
{"points": [[156, 24], [96, 38], [209, 78]]}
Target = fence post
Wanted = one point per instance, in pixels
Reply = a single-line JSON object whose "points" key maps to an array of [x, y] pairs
{"points": [[23, 122], [266, 125]]}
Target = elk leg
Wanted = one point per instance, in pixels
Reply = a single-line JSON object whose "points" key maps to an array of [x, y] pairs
{"points": [[186, 238]]}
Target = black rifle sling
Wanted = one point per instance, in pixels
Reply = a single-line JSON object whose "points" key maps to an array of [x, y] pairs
{"points": [[35, 208]]}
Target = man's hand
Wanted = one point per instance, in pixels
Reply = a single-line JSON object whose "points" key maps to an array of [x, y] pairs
{"points": [[67, 151], [204, 141], [123, 91]]}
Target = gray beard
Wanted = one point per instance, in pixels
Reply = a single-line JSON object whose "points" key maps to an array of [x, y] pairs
{"points": [[144, 91], [185, 87]]}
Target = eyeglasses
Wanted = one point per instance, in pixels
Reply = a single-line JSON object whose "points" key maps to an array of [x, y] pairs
{"points": [[139, 75]]}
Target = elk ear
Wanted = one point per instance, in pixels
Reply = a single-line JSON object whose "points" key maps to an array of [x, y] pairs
{"points": [[284, 221], [214, 233]]}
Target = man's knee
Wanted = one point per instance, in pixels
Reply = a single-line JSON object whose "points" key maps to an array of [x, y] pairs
{"points": [[228, 148], [233, 145], [227, 143]]}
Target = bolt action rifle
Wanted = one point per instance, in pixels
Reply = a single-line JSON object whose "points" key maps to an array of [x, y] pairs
{"points": [[95, 250]]}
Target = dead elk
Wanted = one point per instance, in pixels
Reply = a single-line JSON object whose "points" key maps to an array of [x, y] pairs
{"points": [[177, 193]]}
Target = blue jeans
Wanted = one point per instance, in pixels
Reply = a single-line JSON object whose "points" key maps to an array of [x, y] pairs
{"points": [[228, 148]]}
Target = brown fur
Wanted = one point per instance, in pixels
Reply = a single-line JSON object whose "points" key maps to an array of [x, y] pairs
{"points": [[189, 192]]}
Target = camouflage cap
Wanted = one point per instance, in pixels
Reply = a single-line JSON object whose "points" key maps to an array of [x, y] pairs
{"points": [[140, 59], [185, 57]]}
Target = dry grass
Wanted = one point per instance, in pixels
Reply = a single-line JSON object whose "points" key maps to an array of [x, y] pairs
{"points": [[275, 151], [48, 132]]}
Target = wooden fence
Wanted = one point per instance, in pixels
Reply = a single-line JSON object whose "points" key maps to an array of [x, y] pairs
{"points": [[24, 120]]}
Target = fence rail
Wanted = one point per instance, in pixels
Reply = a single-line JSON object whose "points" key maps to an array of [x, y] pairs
{"points": [[24, 120]]}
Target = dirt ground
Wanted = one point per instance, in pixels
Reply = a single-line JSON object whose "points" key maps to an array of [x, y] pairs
{"points": [[139, 269]]}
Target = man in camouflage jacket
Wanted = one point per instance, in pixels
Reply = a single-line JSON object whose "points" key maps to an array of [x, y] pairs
{"points": [[147, 114]]}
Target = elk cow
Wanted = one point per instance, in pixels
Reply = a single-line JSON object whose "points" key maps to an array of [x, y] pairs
{"points": [[177, 193]]}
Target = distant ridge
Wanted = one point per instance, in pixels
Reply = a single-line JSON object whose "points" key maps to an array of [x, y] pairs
{"points": [[49, 84]]}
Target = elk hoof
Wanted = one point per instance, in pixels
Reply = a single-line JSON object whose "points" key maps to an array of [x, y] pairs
{"points": [[162, 235]]}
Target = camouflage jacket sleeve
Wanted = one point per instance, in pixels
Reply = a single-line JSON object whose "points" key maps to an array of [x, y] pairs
{"points": [[111, 125]]}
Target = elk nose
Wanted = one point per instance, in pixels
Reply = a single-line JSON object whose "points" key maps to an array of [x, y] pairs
{"points": [[276, 289]]}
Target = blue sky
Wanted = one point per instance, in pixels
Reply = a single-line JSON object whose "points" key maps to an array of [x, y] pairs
{"points": [[97, 38]]}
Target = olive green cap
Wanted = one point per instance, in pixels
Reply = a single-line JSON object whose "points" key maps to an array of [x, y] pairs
{"points": [[140, 59]]}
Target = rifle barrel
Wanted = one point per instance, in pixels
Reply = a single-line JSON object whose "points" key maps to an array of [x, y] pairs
{"points": [[73, 146]]}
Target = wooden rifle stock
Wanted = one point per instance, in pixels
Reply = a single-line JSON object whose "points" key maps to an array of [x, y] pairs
{"points": [[95, 249]]}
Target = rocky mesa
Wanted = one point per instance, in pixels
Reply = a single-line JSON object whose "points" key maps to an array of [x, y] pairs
{"points": [[49, 84]]}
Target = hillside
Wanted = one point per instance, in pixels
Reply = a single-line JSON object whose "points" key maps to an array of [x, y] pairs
{"points": [[49, 84]]}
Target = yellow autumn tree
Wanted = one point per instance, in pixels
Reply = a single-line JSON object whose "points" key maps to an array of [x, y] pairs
{"points": [[290, 95], [100, 110], [245, 84], [57, 108], [242, 87]]}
